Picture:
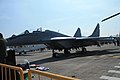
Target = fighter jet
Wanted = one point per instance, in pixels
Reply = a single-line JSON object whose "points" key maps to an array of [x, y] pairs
{"points": [[27, 41], [77, 41], [36, 37], [58, 41]]}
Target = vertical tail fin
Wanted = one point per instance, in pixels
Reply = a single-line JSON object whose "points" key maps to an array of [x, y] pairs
{"points": [[96, 32], [78, 33]]}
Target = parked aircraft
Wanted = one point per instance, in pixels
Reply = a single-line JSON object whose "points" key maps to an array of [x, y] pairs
{"points": [[31, 41], [57, 41], [36, 37], [68, 43]]}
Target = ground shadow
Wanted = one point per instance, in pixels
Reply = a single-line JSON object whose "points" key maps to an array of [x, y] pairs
{"points": [[62, 56], [24, 54]]}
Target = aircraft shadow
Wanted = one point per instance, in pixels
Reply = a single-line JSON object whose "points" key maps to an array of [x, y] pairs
{"points": [[24, 54], [62, 56]]}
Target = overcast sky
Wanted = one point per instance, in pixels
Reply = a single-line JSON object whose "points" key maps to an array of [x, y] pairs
{"points": [[64, 16]]}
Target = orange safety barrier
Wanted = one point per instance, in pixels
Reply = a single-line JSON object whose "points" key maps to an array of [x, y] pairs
{"points": [[42, 75], [8, 72]]}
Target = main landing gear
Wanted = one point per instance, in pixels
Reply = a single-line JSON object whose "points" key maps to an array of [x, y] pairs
{"points": [[55, 54], [84, 49], [66, 51]]}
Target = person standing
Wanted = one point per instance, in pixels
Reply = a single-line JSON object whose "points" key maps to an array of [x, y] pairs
{"points": [[3, 46]]}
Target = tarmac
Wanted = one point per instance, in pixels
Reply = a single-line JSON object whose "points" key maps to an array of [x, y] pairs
{"points": [[98, 63]]}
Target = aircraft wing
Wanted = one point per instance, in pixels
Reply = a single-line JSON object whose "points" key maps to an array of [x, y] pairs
{"points": [[89, 41], [60, 43]]}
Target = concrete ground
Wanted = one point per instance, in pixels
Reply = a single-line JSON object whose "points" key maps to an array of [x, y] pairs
{"points": [[98, 63]]}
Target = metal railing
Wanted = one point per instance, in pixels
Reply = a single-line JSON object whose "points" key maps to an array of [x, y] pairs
{"points": [[8, 72], [42, 75]]}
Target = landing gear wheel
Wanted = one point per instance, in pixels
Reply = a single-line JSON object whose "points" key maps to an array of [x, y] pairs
{"points": [[25, 52], [54, 55], [83, 49], [66, 51]]}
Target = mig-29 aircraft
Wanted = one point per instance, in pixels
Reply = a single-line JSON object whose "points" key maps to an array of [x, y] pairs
{"points": [[57, 41], [27, 41], [77, 41]]}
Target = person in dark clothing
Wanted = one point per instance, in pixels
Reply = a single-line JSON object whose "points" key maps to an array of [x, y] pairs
{"points": [[118, 41], [3, 52]]}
